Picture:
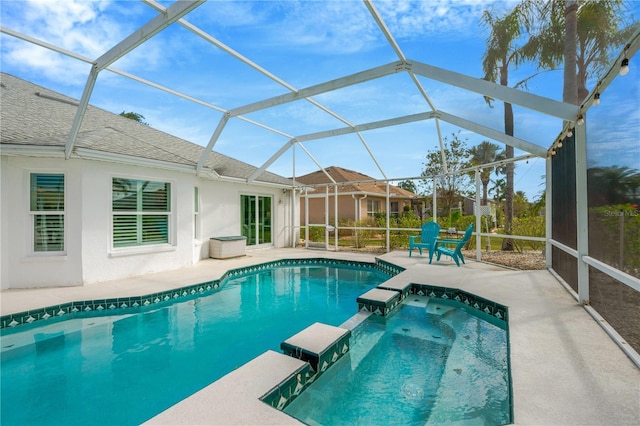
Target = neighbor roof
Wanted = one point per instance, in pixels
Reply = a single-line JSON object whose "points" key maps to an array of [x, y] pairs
{"points": [[359, 183], [32, 115]]}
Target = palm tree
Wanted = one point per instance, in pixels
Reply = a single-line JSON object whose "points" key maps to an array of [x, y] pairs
{"points": [[581, 34], [612, 185], [503, 52], [484, 153]]}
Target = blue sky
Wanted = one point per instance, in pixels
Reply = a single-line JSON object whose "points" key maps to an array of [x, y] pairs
{"points": [[302, 43]]}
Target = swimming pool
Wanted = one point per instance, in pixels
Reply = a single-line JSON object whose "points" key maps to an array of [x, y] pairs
{"points": [[124, 369], [437, 363]]}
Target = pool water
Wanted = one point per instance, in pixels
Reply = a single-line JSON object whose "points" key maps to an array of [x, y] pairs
{"points": [[122, 370], [426, 364]]}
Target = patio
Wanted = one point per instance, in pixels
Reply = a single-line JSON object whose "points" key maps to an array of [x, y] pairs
{"points": [[565, 368]]}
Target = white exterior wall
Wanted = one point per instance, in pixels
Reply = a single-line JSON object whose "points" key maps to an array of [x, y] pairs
{"points": [[89, 256]]}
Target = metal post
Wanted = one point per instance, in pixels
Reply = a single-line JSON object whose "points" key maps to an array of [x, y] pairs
{"points": [[582, 212], [335, 216], [306, 218], [478, 218], [548, 212], [388, 208], [326, 218], [433, 202]]}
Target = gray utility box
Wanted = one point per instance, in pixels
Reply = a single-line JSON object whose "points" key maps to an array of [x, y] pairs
{"points": [[226, 247]]}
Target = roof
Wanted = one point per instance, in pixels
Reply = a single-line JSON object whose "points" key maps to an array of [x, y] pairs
{"points": [[359, 182], [32, 115]]}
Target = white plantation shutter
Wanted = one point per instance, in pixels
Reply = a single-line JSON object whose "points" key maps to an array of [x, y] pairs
{"points": [[141, 211]]}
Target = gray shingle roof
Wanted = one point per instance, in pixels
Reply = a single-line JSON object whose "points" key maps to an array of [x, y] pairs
{"points": [[36, 116]]}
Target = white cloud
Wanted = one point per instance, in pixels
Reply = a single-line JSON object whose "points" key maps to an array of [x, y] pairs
{"points": [[79, 26], [450, 18], [329, 27]]}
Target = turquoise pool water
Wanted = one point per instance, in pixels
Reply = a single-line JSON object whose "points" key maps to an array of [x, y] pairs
{"points": [[426, 364], [123, 370]]}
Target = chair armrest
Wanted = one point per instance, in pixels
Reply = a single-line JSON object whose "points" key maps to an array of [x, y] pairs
{"points": [[412, 238], [448, 241]]}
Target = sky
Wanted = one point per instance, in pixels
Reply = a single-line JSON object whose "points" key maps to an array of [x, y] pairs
{"points": [[301, 44]]}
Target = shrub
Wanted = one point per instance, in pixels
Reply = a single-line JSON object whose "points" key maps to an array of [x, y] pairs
{"points": [[316, 233], [533, 226]]}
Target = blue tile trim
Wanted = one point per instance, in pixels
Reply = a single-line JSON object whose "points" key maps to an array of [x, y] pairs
{"points": [[134, 304], [379, 308], [283, 393], [488, 307]]}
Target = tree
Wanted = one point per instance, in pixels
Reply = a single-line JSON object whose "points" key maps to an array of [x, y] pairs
{"points": [[484, 153], [502, 52], [135, 117], [521, 206], [582, 35], [612, 185], [449, 185], [408, 185]]}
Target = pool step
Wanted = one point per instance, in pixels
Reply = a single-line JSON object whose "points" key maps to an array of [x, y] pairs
{"points": [[319, 346], [379, 301]]}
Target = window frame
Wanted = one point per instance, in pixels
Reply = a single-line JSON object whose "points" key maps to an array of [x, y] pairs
{"points": [[140, 213], [262, 221], [373, 207], [35, 213], [196, 213], [396, 212]]}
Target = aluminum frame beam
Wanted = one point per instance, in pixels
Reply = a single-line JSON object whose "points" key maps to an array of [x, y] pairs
{"points": [[174, 12], [367, 126], [339, 83], [527, 100], [151, 28], [493, 134], [203, 34], [82, 58], [342, 131]]}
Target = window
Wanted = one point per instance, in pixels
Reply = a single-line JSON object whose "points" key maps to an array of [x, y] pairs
{"points": [[141, 211], [373, 206], [47, 212], [394, 211], [196, 213]]}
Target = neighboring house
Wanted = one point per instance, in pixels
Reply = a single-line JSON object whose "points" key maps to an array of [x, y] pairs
{"points": [[356, 201], [465, 205], [127, 202]]}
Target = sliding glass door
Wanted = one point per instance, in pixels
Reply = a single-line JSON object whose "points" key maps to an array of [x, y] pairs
{"points": [[255, 212]]}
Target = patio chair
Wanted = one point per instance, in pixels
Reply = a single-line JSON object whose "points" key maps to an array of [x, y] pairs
{"points": [[430, 231], [456, 252]]}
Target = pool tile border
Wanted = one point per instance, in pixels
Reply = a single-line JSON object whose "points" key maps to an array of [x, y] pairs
{"points": [[286, 391], [488, 307], [317, 363], [134, 304]]}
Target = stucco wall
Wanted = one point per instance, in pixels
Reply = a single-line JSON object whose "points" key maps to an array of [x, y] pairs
{"points": [[20, 268], [89, 254]]}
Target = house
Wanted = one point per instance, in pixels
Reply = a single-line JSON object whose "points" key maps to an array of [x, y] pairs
{"points": [[128, 200], [359, 196]]}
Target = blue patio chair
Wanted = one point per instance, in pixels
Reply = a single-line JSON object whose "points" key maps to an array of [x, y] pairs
{"points": [[456, 252], [430, 231]]}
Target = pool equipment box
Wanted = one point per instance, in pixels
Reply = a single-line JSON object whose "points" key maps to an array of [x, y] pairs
{"points": [[226, 247]]}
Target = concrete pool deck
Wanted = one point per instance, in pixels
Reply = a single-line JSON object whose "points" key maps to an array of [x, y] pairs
{"points": [[565, 369]]}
